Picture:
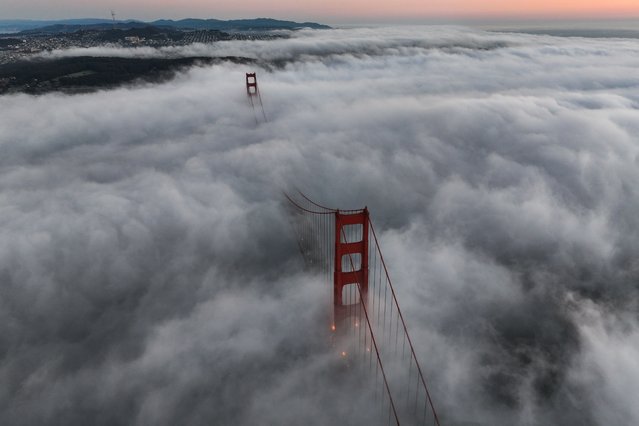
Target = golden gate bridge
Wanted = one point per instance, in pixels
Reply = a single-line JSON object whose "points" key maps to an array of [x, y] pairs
{"points": [[368, 329], [367, 324]]}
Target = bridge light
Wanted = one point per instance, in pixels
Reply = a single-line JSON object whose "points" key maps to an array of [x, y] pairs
{"points": [[333, 327], [343, 354]]}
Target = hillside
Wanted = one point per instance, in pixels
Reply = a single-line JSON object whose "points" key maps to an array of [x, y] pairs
{"points": [[72, 25]]}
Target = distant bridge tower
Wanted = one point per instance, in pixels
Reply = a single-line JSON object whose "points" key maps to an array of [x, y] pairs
{"points": [[251, 84], [351, 262], [253, 93]]}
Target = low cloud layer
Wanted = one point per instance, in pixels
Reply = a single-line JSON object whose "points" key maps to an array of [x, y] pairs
{"points": [[151, 276]]}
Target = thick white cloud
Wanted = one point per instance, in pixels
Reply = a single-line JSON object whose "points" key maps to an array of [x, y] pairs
{"points": [[150, 273], [609, 362]]}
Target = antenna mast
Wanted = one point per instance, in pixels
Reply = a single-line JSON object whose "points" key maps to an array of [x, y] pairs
{"points": [[113, 17]]}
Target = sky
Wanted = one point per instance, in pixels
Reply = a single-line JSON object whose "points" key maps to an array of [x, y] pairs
{"points": [[151, 274], [329, 11]]}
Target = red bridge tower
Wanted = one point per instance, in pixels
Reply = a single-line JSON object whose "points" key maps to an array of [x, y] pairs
{"points": [[351, 261], [251, 84]]}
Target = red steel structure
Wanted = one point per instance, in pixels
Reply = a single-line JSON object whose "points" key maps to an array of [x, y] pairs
{"points": [[345, 250], [368, 327], [253, 93], [251, 84]]}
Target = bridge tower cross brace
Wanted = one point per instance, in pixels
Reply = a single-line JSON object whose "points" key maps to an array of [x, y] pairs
{"points": [[345, 253]]}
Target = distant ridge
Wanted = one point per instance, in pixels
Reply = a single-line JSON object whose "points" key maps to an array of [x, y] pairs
{"points": [[17, 25], [71, 25], [238, 24]]}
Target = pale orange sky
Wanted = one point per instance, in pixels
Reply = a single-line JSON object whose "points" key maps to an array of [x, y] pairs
{"points": [[336, 10]]}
